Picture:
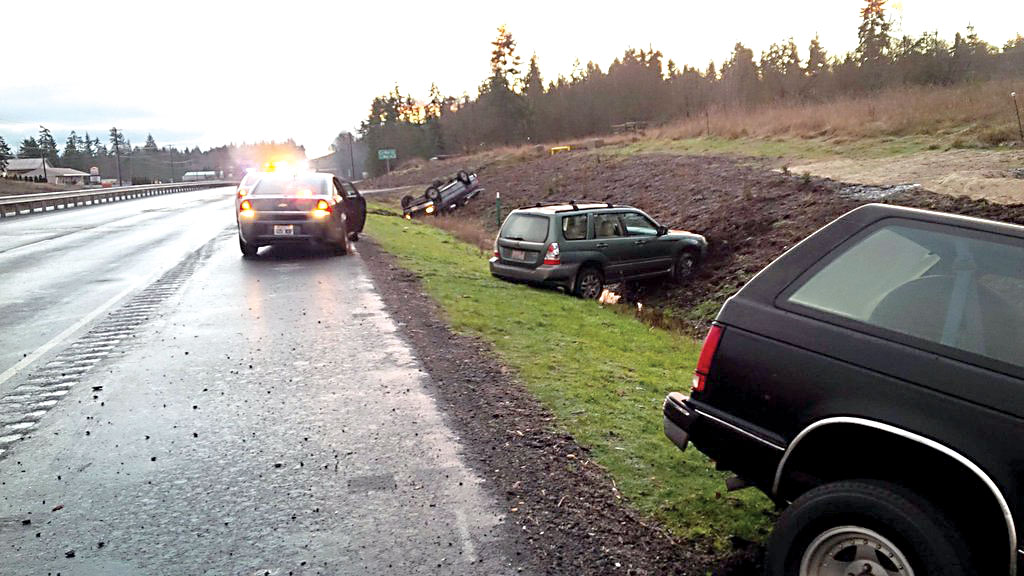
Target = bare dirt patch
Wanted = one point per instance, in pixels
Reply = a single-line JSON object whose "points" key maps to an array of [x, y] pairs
{"points": [[979, 174]]}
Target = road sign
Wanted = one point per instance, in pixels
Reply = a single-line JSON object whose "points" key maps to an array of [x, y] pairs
{"points": [[386, 154]]}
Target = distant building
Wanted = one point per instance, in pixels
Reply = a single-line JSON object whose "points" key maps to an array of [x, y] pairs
{"points": [[200, 175], [29, 168]]}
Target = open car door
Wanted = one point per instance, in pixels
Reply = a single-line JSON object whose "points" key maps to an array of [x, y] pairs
{"points": [[355, 208]]}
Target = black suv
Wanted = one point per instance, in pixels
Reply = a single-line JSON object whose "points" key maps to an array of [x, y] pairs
{"points": [[581, 246], [871, 379]]}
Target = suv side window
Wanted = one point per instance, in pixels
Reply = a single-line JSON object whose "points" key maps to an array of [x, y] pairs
{"points": [[639, 225], [607, 226], [950, 286], [574, 227]]}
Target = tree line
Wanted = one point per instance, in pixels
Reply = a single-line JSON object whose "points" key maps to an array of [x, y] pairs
{"points": [[514, 105], [147, 163]]}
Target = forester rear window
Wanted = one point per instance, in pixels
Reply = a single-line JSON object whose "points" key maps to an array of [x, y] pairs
{"points": [[526, 227], [962, 289]]}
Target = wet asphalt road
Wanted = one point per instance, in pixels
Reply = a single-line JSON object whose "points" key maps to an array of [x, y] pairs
{"points": [[230, 417]]}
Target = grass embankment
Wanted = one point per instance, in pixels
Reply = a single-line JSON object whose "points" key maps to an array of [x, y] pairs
{"points": [[603, 375]]}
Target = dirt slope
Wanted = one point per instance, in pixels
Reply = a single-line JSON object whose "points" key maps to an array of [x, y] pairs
{"points": [[749, 212]]}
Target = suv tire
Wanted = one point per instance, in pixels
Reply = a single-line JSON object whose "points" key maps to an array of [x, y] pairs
{"points": [[463, 177], [589, 283], [684, 267], [407, 201], [865, 524], [433, 194]]}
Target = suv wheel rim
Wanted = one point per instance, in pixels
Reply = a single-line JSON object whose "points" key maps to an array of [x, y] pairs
{"points": [[684, 267], [590, 285], [853, 550]]}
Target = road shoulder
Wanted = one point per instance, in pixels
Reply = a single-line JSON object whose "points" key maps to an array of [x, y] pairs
{"points": [[566, 508]]}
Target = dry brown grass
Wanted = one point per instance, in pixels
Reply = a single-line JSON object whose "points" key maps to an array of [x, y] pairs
{"points": [[978, 114], [468, 230]]}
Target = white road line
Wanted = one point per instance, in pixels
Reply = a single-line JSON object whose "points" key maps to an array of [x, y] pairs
{"points": [[27, 360], [467, 544]]}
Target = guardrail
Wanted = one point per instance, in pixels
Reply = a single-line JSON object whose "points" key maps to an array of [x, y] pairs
{"points": [[29, 203]]}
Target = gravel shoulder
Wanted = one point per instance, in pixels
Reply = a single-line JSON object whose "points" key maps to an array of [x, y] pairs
{"points": [[566, 510]]}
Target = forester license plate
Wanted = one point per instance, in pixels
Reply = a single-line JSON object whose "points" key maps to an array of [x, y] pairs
{"points": [[517, 255], [284, 230]]}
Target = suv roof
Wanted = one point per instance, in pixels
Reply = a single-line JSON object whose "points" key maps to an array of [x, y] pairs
{"points": [[570, 206]]}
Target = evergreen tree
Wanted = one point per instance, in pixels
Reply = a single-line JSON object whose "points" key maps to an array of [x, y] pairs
{"points": [[873, 35], [47, 145], [71, 151], [534, 84], [150, 146], [117, 141], [5, 153], [739, 76], [88, 150], [29, 148], [504, 114], [534, 92], [817, 59]]}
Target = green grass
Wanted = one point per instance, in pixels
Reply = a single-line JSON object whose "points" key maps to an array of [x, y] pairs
{"points": [[603, 375]]}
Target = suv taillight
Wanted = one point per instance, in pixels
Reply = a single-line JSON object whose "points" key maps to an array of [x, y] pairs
{"points": [[496, 253], [553, 257], [707, 353]]}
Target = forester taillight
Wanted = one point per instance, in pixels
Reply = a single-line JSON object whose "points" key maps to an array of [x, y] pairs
{"points": [[496, 253], [707, 354], [553, 256]]}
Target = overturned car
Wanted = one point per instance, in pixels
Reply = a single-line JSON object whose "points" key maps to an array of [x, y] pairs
{"points": [[443, 197]]}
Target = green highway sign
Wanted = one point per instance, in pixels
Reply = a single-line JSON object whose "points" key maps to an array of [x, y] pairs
{"points": [[386, 154]]}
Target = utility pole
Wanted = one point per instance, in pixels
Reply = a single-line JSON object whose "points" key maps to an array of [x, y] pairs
{"points": [[352, 154], [42, 160], [1016, 108]]}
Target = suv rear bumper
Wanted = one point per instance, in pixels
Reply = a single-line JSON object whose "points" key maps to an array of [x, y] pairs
{"points": [[678, 419], [747, 450], [561, 275]]}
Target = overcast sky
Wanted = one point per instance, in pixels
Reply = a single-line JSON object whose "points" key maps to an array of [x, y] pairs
{"points": [[208, 73]]}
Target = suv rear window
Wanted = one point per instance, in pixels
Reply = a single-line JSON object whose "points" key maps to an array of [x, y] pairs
{"points": [[959, 288], [527, 227]]}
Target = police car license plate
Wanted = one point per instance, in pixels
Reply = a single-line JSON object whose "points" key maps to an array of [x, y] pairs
{"points": [[284, 230]]}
